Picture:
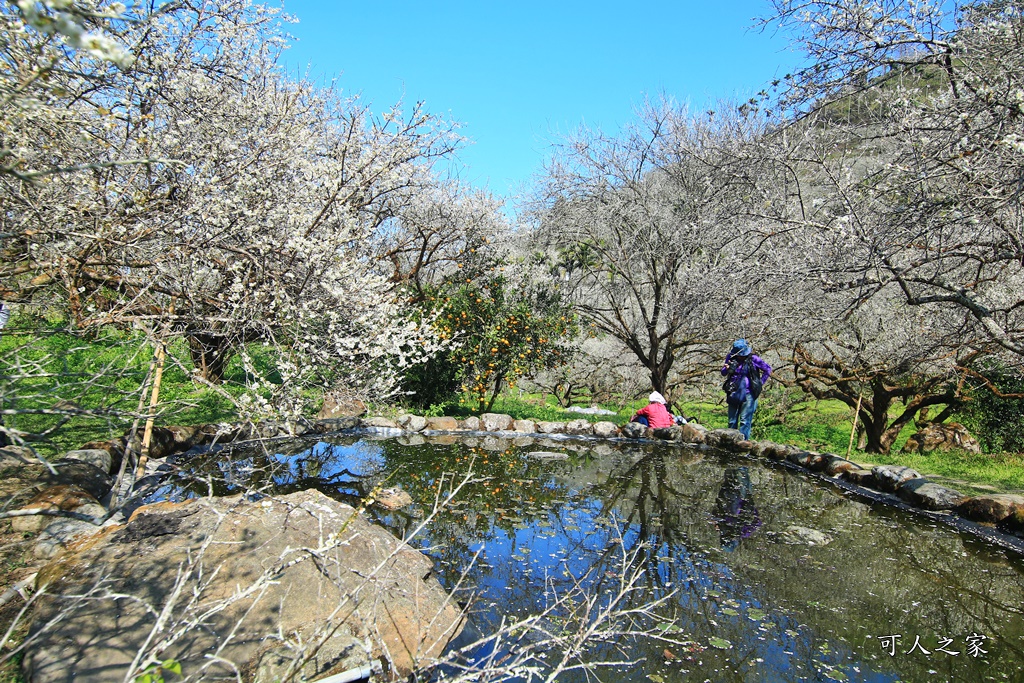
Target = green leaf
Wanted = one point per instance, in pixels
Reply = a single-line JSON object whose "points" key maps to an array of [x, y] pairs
{"points": [[730, 611], [756, 614], [172, 665], [720, 643]]}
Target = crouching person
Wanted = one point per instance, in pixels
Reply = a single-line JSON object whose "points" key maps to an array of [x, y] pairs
{"points": [[655, 414]]}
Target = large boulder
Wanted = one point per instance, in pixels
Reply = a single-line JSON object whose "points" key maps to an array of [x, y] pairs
{"points": [[605, 429], [939, 436], [302, 567]]}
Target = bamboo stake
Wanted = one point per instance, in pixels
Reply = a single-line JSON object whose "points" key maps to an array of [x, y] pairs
{"points": [[147, 435], [154, 398], [856, 414]]}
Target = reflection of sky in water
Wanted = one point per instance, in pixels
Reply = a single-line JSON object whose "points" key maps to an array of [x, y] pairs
{"points": [[701, 528], [582, 541]]}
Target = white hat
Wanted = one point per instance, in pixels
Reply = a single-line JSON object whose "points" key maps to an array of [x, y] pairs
{"points": [[655, 397]]}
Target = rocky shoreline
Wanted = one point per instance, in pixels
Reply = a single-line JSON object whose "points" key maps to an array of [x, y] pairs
{"points": [[65, 503]]}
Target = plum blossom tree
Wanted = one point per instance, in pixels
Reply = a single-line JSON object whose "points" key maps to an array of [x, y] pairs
{"points": [[200, 192], [647, 234], [927, 97]]}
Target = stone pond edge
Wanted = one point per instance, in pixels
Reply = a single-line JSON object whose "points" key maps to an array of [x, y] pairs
{"points": [[888, 484]]}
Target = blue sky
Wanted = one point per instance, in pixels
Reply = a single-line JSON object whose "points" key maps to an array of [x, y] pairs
{"points": [[518, 75]]}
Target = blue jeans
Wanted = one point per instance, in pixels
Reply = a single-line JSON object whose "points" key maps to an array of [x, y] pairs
{"points": [[741, 416]]}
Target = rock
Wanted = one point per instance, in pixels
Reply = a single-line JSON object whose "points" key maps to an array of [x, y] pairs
{"points": [[579, 427], [366, 584], [551, 427], [633, 430], [860, 477], [836, 465], [727, 437], [742, 446], [61, 497], [774, 451], [339, 404], [378, 422], [59, 535], [393, 499], [471, 424], [942, 437], [524, 426], [412, 440], [115, 448], [522, 441], [605, 429], [161, 443], [818, 461], [495, 422], [668, 433], [443, 439], [992, 508], [495, 444], [412, 423], [335, 424], [94, 456], [1013, 523], [691, 432], [799, 457], [891, 477], [801, 535], [547, 455], [187, 437], [924, 494], [442, 424]]}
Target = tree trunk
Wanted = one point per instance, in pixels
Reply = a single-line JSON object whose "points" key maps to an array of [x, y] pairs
{"points": [[210, 354]]}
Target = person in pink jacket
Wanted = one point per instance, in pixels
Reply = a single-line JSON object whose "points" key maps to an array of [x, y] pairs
{"points": [[655, 414]]}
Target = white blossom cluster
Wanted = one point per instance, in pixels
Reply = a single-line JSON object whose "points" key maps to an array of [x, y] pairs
{"points": [[229, 203]]}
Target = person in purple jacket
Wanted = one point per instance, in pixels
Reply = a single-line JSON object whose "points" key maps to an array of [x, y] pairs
{"points": [[745, 374]]}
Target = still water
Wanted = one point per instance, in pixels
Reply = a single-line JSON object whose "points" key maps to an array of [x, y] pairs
{"points": [[763, 574]]}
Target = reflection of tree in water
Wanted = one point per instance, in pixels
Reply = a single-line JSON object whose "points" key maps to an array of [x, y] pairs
{"points": [[659, 507]]}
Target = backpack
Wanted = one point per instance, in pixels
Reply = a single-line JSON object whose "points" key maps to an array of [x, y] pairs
{"points": [[734, 387], [754, 377]]}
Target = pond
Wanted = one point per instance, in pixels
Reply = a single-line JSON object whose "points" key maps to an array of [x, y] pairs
{"points": [[762, 574]]}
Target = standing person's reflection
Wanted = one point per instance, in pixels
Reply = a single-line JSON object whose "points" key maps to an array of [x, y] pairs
{"points": [[735, 512]]}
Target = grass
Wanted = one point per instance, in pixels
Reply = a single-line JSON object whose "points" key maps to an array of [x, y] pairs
{"points": [[782, 416], [817, 425]]}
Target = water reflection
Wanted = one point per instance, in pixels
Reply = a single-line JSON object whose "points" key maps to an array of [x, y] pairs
{"points": [[736, 514], [708, 532]]}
